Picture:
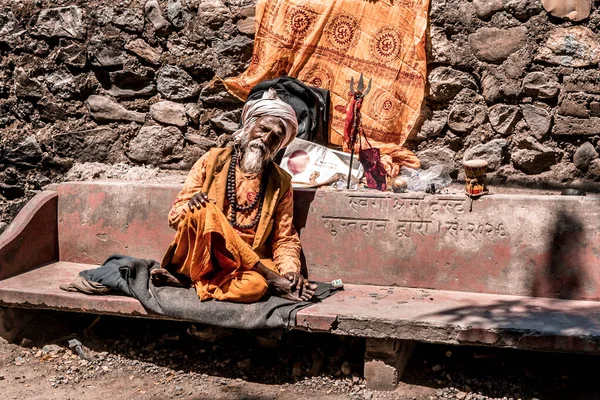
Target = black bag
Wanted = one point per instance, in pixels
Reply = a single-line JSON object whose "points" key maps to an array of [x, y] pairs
{"points": [[310, 103]]}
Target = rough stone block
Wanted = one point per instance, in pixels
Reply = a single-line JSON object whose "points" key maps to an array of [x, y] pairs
{"points": [[385, 361], [495, 45], [576, 126], [573, 46], [12, 322]]}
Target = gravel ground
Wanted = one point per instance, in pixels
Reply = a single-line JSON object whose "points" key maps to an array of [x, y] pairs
{"points": [[144, 359]]}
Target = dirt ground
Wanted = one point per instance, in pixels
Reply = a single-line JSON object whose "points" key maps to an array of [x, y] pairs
{"points": [[145, 359]]}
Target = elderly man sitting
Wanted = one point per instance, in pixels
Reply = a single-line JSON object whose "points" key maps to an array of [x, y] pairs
{"points": [[235, 239]]}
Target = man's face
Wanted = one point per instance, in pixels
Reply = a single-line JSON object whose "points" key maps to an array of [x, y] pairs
{"points": [[260, 144], [269, 130]]}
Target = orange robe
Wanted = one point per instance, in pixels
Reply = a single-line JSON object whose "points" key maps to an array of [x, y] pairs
{"points": [[219, 258]]}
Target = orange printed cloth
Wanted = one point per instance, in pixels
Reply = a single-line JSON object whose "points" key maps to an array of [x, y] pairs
{"points": [[326, 42]]}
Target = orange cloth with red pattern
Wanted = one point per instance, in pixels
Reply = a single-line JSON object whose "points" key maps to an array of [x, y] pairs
{"points": [[326, 42]]}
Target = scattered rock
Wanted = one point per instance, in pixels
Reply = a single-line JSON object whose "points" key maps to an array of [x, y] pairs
{"points": [[297, 370], [61, 22], [532, 157], [491, 151], [27, 87], [346, 368], [61, 84], [106, 51], [433, 126], [574, 46], [485, 8], [495, 45], [584, 155], [169, 113], [576, 10], [50, 109], [8, 26], [445, 83], [144, 51], [177, 13], [213, 15], [215, 93], [440, 50], [246, 26], [203, 142], [193, 111], [583, 81], [437, 156], [522, 9], [573, 109], [52, 349], [129, 18], [498, 87], [90, 145], [245, 364], [128, 83], [155, 145], [104, 109], [224, 122], [155, 16], [465, 117], [11, 192], [576, 126], [538, 120], [176, 84], [593, 170], [237, 50], [71, 53], [541, 85], [533, 162], [504, 118], [28, 151]]}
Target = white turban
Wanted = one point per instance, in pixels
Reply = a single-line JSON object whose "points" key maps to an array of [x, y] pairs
{"points": [[269, 106]]}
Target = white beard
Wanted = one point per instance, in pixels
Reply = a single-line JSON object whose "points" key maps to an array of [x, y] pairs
{"points": [[254, 157]]}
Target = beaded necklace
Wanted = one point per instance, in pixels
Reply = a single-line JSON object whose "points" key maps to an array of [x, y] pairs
{"points": [[232, 195]]}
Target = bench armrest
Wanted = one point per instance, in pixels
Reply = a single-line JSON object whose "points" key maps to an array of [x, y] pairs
{"points": [[31, 240]]}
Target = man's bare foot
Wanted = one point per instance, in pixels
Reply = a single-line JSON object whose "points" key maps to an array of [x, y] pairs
{"points": [[162, 277], [308, 291]]}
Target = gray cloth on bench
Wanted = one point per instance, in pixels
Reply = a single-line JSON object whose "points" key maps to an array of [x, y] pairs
{"points": [[131, 276]]}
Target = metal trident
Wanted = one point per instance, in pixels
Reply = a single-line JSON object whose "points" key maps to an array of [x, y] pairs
{"points": [[360, 88], [358, 94]]}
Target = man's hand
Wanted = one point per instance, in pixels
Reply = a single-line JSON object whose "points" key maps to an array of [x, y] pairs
{"points": [[305, 289], [198, 200], [285, 287]]}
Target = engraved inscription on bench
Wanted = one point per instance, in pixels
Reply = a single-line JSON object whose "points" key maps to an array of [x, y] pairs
{"points": [[386, 217]]}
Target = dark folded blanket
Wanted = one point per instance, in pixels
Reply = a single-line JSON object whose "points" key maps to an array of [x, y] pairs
{"points": [[131, 276]]}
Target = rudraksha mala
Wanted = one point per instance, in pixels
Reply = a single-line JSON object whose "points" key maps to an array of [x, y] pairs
{"points": [[232, 195]]}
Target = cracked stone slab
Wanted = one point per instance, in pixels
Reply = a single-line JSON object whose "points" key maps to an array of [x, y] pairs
{"points": [[439, 316]]}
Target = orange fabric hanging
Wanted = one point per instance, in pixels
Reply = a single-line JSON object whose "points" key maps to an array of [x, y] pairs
{"points": [[326, 42]]}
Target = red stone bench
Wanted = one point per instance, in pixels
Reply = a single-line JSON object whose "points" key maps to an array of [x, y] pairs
{"points": [[515, 271]]}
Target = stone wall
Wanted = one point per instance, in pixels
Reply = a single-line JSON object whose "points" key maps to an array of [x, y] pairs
{"points": [[132, 83], [511, 82]]}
